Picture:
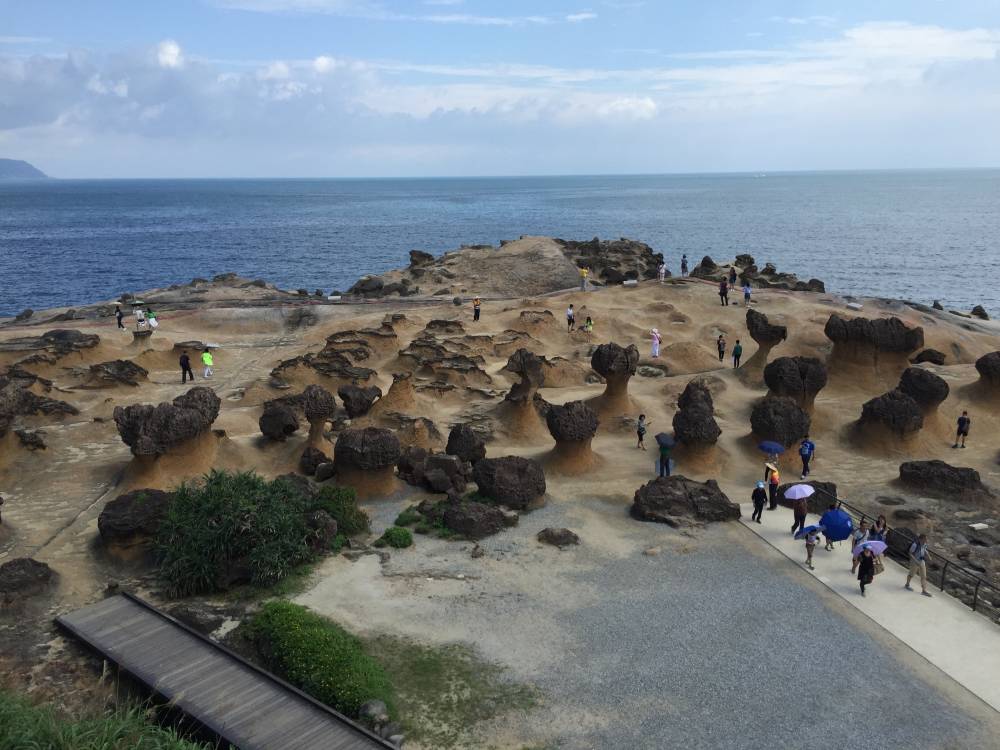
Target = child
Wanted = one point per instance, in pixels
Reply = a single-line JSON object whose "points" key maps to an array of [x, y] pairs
{"points": [[812, 539], [570, 318], [588, 326], [759, 498], [640, 430]]}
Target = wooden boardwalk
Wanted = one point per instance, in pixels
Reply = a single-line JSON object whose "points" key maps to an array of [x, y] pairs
{"points": [[242, 704]]}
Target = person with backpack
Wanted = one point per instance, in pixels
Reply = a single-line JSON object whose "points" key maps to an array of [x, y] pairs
{"points": [[918, 564], [759, 498], [737, 353], [186, 370], [807, 449], [964, 423], [724, 292]]}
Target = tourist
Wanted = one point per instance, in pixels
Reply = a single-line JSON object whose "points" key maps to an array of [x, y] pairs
{"points": [[800, 508], [140, 319], [732, 276], [807, 449], [588, 326], [737, 353], [746, 293], [655, 339], [812, 539], [151, 319], [119, 315], [206, 359], [918, 564], [829, 541], [759, 498], [858, 536], [186, 370], [684, 265], [570, 318], [724, 292], [964, 423], [584, 273], [866, 569], [773, 480], [664, 460], [661, 271], [720, 344], [879, 531], [640, 431], [476, 306]]}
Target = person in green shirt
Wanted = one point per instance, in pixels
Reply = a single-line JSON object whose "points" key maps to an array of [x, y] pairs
{"points": [[737, 353], [664, 460], [206, 359]]}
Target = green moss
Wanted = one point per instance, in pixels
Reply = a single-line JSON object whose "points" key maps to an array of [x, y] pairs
{"points": [[342, 505], [396, 537]]}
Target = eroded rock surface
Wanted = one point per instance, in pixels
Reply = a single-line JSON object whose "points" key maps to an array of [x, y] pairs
{"points": [[153, 430], [678, 501]]}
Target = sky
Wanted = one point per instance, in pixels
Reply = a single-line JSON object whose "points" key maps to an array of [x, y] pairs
{"points": [[383, 88]]}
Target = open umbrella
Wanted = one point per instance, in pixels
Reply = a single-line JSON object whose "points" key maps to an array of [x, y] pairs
{"points": [[876, 547], [808, 530], [771, 448], [837, 525], [799, 492], [664, 440]]}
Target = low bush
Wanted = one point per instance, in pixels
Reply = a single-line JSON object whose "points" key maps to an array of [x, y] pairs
{"points": [[395, 537], [342, 505], [319, 657], [408, 517]]}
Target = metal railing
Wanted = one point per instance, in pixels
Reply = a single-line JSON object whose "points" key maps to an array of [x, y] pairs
{"points": [[948, 575]]}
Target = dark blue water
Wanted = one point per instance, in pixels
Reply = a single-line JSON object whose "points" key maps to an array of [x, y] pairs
{"points": [[920, 235]]}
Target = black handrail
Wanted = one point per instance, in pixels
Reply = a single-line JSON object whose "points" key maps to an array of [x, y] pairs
{"points": [[935, 560]]}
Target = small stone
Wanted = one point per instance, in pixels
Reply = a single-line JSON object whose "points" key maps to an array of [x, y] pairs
{"points": [[652, 551]]}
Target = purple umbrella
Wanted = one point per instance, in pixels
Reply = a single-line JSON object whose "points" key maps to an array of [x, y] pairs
{"points": [[877, 548], [799, 492]]}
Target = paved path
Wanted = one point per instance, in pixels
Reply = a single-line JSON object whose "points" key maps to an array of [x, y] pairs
{"points": [[959, 642]]}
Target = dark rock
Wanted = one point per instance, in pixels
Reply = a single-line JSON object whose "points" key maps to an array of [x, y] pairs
{"points": [[879, 334], [420, 258], [780, 419], [465, 443], [437, 472], [678, 501], [705, 269], [530, 368], [322, 530], [367, 286], [574, 422], [473, 520], [745, 261], [988, 367], [937, 306], [764, 332], [924, 387], [614, 361], [818, 502], [895, 411], [32, 440], [133, 519], [119, 371], [980, 312], [511, 480], [278, 421], [694, 423], [23, 315], [558, 537], [301, 317], [929, 355], [799, 378], [367, 449], [312, 459], [937, 476], [318, 404], [22, 578], [357, 401], [152, 430], [325, 471]]}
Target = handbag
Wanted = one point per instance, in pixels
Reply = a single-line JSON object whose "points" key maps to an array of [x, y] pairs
{"points": [[879, 567]]}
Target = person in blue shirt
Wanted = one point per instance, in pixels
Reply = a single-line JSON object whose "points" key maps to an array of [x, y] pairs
{"points": [[806, 452]]}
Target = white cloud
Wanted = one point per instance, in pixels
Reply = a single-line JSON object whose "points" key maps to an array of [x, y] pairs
{"points": [[24, 39], [582, 16], [324, 64], [805, 20], [276, 71], [168, 54], [374, 11]]}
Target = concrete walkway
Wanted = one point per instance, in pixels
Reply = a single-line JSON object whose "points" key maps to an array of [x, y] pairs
{"points": [[959, 642]]}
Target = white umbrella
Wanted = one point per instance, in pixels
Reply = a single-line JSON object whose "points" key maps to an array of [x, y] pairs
{"points": [[799, 492]]}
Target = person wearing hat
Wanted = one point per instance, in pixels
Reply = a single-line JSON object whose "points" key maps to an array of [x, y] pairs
{"points": [[759, 498], [773, 480], [476, 304], [656, 339]]}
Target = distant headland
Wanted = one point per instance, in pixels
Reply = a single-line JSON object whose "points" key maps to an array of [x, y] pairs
{"points": [[16, 169]]}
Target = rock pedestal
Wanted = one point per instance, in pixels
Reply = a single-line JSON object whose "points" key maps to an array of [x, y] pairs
{"points": [[798, 378], [617, 365], [573, 427], [366, 459]]}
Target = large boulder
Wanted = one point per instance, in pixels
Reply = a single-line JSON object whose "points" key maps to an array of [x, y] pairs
{"points": [[129, 523], [940, 477], [21, 578], [988, 367], [694, 423], [678, 501], [798, 378], [818, 502], [574, 422], [513, 481], [924, 387], [871, 336], [530, 369], [118, 372], [278, 421], [368, 449], [779, 419], [474, 520], [357, 400], [763, 332], [894, 411], [437, 472], [465, 443], [153, 430], [311, 459]]}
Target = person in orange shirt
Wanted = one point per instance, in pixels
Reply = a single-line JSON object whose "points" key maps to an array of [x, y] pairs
{"points": [[773, 480]]}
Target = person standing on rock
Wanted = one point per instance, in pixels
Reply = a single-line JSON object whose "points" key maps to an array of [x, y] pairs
{"points": [[918, 564], [476, 305], [119, 315], [737, 353], [724, 292], [720, 344], [655, 340], [964, 423], [858, 536], [661, 271], [584, 273], [866, 569], [732, 276], [140, 319], [759, 498], [640, 431], [807, 450], [684, 265], [570, 318], [186, 370], [208, 362]]}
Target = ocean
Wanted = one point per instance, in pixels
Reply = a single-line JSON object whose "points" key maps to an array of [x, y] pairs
{"points": [[919, 235]]}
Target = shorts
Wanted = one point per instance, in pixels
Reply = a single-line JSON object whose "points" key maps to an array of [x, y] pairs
{"points": [[918, 568], [963, 433]]}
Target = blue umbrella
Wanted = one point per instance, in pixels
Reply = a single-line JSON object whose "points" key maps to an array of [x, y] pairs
{"points": [[771, 448], [808, 530], [837, 525]]}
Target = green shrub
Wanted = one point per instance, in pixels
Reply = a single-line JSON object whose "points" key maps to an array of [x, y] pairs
{"points": [[338, 543], [231, 520], [319, 657], [23, 725], [396, 537], [408, 517], [342, 505]]}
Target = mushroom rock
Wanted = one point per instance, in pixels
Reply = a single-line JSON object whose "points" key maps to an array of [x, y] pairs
{"points": [[929, 355], [895, 412], [117, 372], [616, 365], [765, 333], [153, 430], [311, 459], [465, 443], [365, 459], [278, 421], [530, 368], [129, 523], [883, 344], [419, 431], [520, 414], [924, 387], [320, 407], [799, 378], [17, 400], [573, 427], [779, 419], [988, 367], [694, 422], [516, 482], [679, 502], [357, 401]]}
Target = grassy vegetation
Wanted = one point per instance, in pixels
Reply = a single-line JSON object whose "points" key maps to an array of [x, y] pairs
{"points": [[24, 726], [342, 505], [408, 517], [395, 537], [319, 657]]}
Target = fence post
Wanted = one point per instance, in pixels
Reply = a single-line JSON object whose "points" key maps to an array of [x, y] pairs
{"points": [[944, 572]]}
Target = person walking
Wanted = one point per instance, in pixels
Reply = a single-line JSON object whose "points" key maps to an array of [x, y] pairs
{"points": [[807, 449], [476, 307], [918, 564], [655, 339], [640, 431], [812, 539], [724, 292], [829, 542], [737, 353], [684, 265], [759, 498], [119, 315], [570, 318], [732, 276], [773, 480], [746, 294], [661, 271], [720, 344], [964, 423], [800, 508], [866, 569], [664, 460], [858, 536], [208, 362], [186, 371], [584, 273]]}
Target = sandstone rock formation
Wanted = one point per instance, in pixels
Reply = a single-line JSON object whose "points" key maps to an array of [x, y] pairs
{"points": [[465, 443], [129, 523], [357, 401], [616, 365], [924, 387], [573, 427], [988, 367], [614, 261], [520, 414], [867, 341], [365, 459], [779, 419], [694, 423], [894, 412], [312, 458], [516, 482], [530, 369], [278, 421], [117, 372], [437, 472], [929, 355], [940, 477], [153, 430], [320, 407], [798, 378], [17, 400], [678, 502]]}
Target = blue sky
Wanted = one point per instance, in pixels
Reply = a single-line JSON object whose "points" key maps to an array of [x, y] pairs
{"points": [[455, 87]]}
